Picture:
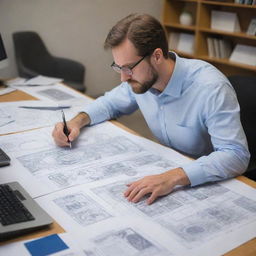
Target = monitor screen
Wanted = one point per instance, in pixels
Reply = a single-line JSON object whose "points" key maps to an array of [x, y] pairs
{"points": [[3, 55]]}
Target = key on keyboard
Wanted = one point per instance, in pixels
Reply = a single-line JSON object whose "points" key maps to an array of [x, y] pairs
{"points": [[12, 209]]}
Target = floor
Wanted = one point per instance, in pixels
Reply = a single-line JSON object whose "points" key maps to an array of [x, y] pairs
{"points": [[137, 123]]}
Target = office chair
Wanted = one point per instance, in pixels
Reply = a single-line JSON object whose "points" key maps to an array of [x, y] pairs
{"points": [[245, 87], [34, 59]]}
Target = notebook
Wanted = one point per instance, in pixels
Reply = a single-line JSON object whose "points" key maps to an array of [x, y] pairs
{"points": [[19, 212]]}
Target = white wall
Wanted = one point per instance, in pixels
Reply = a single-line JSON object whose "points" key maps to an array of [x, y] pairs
{"points": [[74, 29]]}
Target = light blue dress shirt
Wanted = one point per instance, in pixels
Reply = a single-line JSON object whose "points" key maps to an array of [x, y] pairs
{"points": [[197, 114]]}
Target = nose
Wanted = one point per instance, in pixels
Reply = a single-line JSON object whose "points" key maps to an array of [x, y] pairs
{"points": [[124, 76]]}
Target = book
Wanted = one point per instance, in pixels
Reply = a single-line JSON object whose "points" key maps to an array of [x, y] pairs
{"points": [[186, 43], [211, 50], [216, 47], [225, 48], [252, 28], [244, 54], [226, 21], [174, 40]]}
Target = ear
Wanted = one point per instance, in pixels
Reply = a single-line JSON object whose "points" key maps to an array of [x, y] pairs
{"points": [[158, 55]]}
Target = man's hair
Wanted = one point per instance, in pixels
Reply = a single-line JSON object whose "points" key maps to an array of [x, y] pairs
{"points": [[144, 31]]}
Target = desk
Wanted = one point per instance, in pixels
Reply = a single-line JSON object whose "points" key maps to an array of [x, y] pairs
{"points": [[247, 249]]}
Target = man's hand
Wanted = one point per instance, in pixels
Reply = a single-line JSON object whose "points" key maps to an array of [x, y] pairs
{"points": [[74, 127], [157, 185]]}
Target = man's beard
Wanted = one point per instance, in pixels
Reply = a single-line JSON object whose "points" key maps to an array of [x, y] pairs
{"points": [[140, 88]]}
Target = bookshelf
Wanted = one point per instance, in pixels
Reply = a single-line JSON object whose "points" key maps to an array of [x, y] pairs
{"points": [[201, 29]]}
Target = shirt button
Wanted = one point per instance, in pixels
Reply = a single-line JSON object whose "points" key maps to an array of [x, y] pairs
{"points": [[161, 107]]}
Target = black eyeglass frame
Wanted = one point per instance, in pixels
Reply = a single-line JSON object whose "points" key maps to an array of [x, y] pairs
{"points": [[126, 69]]}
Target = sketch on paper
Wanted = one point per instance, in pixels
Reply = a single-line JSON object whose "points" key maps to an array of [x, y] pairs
{"points": [[192, 214], [56, 94], [82, 208], [129, 167], [125, 242], [57, 158]]}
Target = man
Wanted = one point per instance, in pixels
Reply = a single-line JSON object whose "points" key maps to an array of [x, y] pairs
{"points": [[188, 105]]}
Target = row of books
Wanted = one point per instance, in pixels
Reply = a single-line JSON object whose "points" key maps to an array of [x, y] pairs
{"points": [[219, 48], [248, 2], [183, 42]]}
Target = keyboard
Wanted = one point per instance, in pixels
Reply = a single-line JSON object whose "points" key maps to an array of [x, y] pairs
{"points": [[4, 159], [12, 209], [19, 212]]}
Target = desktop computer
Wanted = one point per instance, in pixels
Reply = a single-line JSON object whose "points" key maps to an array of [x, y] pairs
{"points": [[3, 57]]}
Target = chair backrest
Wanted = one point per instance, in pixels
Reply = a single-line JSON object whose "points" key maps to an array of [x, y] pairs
{"points": [[30, 51], [245, 88]]}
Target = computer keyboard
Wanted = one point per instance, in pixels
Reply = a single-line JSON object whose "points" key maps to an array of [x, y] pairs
{"points": [[4, 159], [12, 209]]}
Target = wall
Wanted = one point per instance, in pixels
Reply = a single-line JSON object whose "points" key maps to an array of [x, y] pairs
{"points": [[74, 29]]}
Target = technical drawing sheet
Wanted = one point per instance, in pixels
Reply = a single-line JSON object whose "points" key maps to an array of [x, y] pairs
{"points": [[57, 92], [101, 152], [189, 221], [15, 119]]}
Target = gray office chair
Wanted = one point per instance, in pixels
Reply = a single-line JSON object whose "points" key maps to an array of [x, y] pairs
{"points": [[245, 88], [34, 59]]}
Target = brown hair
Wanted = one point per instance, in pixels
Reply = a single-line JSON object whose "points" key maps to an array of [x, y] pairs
{"points": [[144, 31]]}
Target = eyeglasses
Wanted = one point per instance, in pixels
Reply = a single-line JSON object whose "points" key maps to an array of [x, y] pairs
{"points": [[126, 69]]}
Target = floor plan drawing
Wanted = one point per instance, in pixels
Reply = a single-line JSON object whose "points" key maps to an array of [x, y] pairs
{"points": [[13, 118], [193, 215], [82, 209], [125, 242]]}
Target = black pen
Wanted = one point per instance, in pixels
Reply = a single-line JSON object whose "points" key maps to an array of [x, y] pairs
{"points": [[65, 128]]}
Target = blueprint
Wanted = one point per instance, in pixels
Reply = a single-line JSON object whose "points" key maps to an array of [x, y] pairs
{"points": [[102, 152], [192, 215], [15, 119], [125, 242]]}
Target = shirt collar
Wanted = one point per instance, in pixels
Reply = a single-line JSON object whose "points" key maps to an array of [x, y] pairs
{"points": [[174, 86]]}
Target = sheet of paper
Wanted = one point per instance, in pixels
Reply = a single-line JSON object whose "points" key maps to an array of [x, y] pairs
{"points": [[35, 81], [102, 152], [57, 93], [15, 119], [190, 221]]}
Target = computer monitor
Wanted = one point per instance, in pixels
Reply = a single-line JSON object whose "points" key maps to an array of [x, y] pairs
{"points": [[3, 57]]}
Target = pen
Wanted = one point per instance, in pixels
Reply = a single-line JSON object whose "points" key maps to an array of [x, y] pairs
{"points": [[65, 129]]}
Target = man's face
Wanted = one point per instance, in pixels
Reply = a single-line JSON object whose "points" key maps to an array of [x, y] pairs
{"points": [[143, 76]]}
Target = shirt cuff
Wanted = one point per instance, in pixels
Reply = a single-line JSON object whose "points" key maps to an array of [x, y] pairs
{"points": [[195, 173]]}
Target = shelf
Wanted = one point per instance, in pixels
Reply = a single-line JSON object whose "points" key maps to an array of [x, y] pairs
{"points": [[225, 33], [201, 29], [228, 4], [227, 62], [180, 26]]}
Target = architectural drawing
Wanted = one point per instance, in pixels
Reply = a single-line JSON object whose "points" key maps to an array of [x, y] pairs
{"points": [[194, 214], [82, 209], [15, 119], [125, 242], [56, 94]]}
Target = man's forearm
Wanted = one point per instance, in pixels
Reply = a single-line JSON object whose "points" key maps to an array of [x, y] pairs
{"points": [[82, 119]]}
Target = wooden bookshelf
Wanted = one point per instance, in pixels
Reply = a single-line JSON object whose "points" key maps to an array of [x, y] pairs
{"points": [[201, 29]]}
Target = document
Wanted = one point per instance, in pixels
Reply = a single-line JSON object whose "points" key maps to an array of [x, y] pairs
{"points": [[24, 115], [57, 93], [102, 152]]}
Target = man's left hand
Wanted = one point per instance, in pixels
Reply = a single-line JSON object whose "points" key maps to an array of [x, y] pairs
{"points": [[157, 185]]}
